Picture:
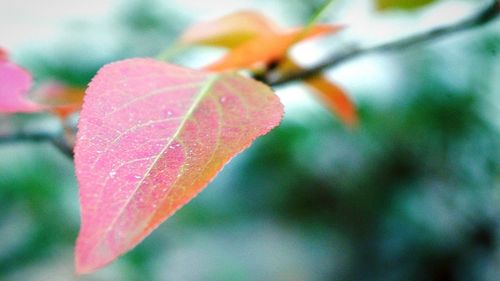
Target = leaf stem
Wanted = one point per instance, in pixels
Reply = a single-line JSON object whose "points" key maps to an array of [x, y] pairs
{"points": [[320, 13], [314, 19], [170, 51]]}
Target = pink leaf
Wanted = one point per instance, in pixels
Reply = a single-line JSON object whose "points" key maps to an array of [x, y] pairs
{"points": [[15, 82], [151, 137]]}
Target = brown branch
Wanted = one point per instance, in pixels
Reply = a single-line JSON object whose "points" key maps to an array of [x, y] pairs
{"points": [[484, 16]]}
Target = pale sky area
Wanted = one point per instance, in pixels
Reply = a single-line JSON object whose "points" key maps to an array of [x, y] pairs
{"points": [[23, 21]]}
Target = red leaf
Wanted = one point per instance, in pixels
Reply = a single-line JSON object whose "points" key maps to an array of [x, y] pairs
{"points": [[3, 54], [151, 136], [14, 85]]}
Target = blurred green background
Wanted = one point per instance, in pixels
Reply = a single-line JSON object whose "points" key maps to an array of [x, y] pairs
{"points": [[412, 194]]}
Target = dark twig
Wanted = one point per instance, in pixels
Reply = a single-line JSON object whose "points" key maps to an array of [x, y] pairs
{"points": [[61, 144], [22, 137], [58, 141], [484, 16]]}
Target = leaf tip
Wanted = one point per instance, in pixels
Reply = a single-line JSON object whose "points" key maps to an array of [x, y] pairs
{"points": [[83, 265], [90, 259]]}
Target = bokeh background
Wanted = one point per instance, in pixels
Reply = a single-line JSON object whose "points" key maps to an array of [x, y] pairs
{"points": [[413, 193]]}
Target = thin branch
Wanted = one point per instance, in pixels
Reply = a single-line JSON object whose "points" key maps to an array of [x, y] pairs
{"points": [[486, 15], [22, 137], [57, 141], [63, 146]]}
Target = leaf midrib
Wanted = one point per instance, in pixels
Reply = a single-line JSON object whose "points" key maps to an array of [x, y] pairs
{"points": [[207, 87]]}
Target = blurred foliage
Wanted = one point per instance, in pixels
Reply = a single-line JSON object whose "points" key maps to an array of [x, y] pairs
{"points": [[401, 4], [412, 194]]}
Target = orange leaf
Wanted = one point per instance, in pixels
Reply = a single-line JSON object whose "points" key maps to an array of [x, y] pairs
{"points": [[267, 48], [229, 31], [60, 99], [252, 38], [331, 95], [334, 98]]}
